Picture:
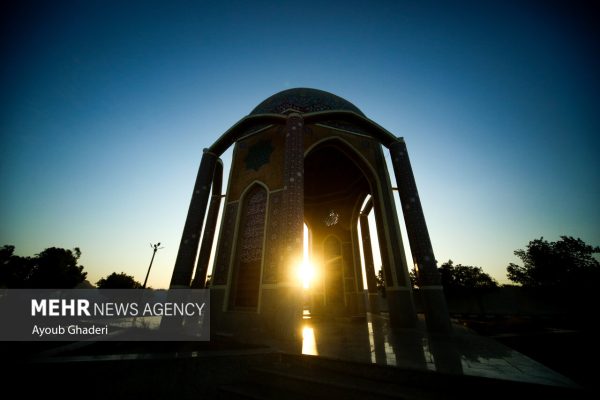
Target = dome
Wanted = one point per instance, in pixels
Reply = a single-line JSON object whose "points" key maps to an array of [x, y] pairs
{"points": [[304, 100]]}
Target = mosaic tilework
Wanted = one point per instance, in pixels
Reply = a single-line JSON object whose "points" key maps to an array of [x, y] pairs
{"points": [[255, 203], [258, 155], [293, 200], [303, 100], [275, 231]]}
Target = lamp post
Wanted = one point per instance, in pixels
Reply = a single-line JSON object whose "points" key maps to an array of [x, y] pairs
{"points": [[156, 248]]}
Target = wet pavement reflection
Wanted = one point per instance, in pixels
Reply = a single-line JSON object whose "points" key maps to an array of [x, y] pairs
{"points": [[371, 340]]}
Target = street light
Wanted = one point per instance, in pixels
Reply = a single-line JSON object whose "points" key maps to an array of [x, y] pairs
{"points": [[156, 248]]}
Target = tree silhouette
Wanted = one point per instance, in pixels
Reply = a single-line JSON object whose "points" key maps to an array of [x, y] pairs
{"points": [[14, 270], [461, 277], [118, 281], [53, 268], [412, 275], [380, 282], [566, 263], [57, 268]]}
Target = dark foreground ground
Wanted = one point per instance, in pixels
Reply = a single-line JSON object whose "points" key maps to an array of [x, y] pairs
{"points": [[267, 375], [565, 345], [226, 369]]}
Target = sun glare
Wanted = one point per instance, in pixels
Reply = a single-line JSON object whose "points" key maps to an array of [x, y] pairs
{"points": [[306, 270], [306, 273], [309, 345]]}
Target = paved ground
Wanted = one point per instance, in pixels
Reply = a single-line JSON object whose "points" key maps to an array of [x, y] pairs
{"points": [[343, 358], [466, 353]]}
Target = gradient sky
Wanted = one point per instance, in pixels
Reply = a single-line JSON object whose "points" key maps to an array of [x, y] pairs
{"points": [[105, 108]]}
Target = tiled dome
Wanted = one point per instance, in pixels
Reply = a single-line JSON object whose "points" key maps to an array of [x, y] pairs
{"points": [[303, 100]]}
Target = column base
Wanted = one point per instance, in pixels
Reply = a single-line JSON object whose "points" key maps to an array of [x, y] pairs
{"points": [[435, 308], [373, 303], [401, 308], [277, 323]]}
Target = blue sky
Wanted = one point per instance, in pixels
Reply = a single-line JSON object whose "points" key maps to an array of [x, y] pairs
{"points": [[106, 106]]}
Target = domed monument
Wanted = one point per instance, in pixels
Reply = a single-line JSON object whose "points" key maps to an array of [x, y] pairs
{"points": [[305, 157]]}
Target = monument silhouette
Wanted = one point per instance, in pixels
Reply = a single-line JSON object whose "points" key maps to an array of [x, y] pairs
{"points": [[306, 156]]}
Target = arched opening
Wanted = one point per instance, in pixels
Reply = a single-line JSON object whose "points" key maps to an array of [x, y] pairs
{"points": [[335, 184]]}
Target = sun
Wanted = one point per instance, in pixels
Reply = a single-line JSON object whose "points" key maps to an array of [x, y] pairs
{"points": [[306, 273]]}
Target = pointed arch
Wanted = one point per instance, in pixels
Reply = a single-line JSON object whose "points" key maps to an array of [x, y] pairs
{"points": [[351, 153], [247, 267]]}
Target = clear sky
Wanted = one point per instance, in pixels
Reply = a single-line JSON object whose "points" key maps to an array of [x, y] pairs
{"points": [[105, 108]]}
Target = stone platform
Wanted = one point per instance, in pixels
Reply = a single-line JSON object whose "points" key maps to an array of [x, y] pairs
{"points": [[353, 358], [370, 340]]}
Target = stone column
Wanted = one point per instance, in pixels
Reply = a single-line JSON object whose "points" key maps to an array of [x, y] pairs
{"points": [[368, 258], [209, 227], [188, 248], [399, 294], [432, 294], [281, 302], [294, 190]]}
